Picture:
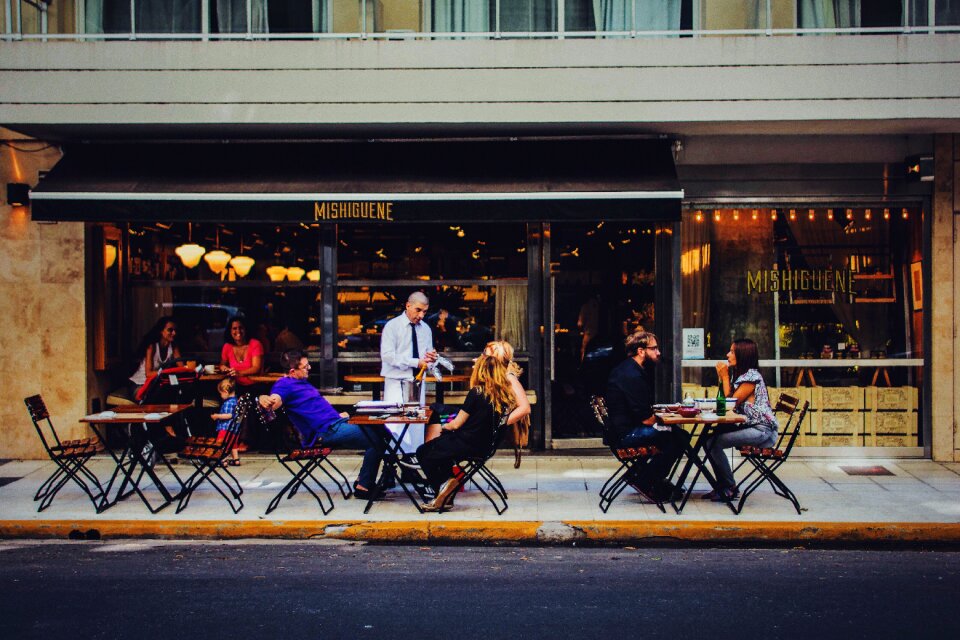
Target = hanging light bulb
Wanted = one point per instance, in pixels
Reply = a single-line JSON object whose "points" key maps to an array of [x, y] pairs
{"points": [[716, 216], [867, 214], [810, 215], [295, 274], [699, 216], [736, 214], [849, 214], [276, 273], [829, 214], [190, 252], [886, 214], [755, 214], [793, 214], [773, 214], [904, 214]]}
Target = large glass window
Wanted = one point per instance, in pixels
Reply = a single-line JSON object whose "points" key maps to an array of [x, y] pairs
{"points": [[203, 274], [834, 300], [474, 275]]}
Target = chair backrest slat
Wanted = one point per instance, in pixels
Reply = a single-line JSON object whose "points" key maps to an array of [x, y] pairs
{"points": [[40, 415]]}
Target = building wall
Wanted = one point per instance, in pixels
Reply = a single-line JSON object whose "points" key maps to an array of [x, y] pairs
{"points": [[43, 343], [835, 84]]}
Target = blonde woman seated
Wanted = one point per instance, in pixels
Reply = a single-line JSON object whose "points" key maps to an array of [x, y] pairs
{"points": [[470, 433]]}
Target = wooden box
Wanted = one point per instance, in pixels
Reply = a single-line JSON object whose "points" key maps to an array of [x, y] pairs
{"points": [[892, 398], [837, 398]]}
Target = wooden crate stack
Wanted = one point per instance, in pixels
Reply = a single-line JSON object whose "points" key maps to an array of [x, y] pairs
{"points": [[891, 418]]}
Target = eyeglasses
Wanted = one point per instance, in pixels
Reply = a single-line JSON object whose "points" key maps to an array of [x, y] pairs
{"points": [[653, 348]]}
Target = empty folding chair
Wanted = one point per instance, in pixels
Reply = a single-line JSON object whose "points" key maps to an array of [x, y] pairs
{"points": [[302, 463], [207, 455], [767, 460], [631, 459], [70, 456]]}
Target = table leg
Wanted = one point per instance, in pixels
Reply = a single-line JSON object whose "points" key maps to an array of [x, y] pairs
{"points": [[390, 456], [694, 459]]}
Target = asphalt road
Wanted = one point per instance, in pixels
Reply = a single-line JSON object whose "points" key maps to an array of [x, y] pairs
{"points": [[253, 589]]}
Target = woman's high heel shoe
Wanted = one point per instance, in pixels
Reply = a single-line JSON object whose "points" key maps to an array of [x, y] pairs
{"points": [[443, 499]]}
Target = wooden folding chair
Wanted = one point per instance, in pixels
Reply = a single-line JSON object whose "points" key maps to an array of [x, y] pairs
{"points": [[208, 455], [631, 459], [302, 463], [767, 460], [70, 456]]}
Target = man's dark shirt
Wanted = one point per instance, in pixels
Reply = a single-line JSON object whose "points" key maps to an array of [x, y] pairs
{"points": [[629, 396]]}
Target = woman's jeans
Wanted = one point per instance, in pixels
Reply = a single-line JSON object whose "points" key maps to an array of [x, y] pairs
{"points": [[715, 445], [343, 435]]}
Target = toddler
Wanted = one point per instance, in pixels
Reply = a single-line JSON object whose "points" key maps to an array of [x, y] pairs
{"points": [[227, 389]]}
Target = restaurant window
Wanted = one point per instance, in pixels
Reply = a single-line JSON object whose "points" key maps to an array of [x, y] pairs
{"points": [[269, 274], [833, 298], [474, 274]]}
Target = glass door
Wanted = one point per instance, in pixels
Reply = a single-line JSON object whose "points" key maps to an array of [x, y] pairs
{"points": [[603, 281]]}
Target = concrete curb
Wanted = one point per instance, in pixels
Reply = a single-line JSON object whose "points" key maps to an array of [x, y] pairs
{"points": [[499, 532]]}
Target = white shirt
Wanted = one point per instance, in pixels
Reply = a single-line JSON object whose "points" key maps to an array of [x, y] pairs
{"points": [[396, 347]]}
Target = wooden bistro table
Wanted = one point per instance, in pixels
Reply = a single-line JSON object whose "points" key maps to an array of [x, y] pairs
{"points": [[710, 424], [376, 382], [392, 452], [146, 424]]}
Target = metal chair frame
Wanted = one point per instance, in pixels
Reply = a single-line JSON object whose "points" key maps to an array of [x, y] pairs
{"points": [[767, 460], [630, 459], [474, 466], [208, 455], [301, 463], [70, 456]]}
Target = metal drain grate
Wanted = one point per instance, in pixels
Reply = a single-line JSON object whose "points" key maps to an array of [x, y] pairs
{"points": [[874, 470]]}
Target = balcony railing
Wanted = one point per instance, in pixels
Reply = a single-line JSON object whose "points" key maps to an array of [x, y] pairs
{"points": [[465, 19]]}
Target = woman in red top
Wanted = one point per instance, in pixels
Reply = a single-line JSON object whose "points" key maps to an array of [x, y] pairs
{"points": [[241, 356]]}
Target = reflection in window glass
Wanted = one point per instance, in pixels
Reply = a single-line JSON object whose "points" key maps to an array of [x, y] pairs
{"points": [[458, 16], [528, 15], [170, 16]]}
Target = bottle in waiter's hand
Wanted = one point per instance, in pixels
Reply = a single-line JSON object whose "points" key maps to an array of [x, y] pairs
{"points": [[721, 402]]}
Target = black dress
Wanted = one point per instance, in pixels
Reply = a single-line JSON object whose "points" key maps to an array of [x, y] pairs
{"points": [[474, 438]]}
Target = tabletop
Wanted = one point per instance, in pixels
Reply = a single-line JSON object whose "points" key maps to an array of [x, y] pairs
{"points": [[137, 413], [362, 377], [267, 378], [701, 418], [363, 418]]}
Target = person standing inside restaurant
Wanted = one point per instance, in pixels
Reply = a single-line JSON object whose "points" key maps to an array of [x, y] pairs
{"points": [[629, 403], [158, 348], [318, 423], [406, 347], [753, 402], [241, 357]]}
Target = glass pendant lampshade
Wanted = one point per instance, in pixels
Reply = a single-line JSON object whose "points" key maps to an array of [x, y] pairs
{"points": [[276, 273], [294, 274], [217, 260], [190, 254], [109, 255], [242, 265], [314, 275]]}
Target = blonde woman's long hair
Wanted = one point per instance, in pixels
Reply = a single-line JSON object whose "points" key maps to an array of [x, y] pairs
{"points": [[502, 351], [490, 375]]}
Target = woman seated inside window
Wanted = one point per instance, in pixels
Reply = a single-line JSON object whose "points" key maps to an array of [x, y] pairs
{"points": [[471, 432], [242, 355], [761, 427]]}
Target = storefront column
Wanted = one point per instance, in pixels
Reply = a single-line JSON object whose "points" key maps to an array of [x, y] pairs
{"points": [[944, 309]]}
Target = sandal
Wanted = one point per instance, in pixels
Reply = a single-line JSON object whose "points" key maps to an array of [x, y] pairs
{"points": [[234, 463]]}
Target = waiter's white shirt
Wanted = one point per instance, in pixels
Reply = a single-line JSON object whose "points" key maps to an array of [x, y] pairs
{"points": [[398, 363], [396, 347]]}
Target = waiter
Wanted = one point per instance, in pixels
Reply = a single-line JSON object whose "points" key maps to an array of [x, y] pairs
{"points": [[406, 346]]}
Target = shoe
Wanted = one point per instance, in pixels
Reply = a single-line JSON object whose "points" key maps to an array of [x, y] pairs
{"points": [[671, 492], [444, 495], [388, 481], [709, 495], [725, 495], [365, 494], [408, 462], [645, 490]]}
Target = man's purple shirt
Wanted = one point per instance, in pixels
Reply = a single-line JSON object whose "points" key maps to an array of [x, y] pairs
{"points": [[309, 412]]}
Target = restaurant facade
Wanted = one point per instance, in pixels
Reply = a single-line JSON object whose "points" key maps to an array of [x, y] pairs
{"points": [[823, 231]]}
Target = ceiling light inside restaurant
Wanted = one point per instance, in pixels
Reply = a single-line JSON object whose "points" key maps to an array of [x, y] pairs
{"points": [[190, 252], [217, 260], [295, 274], [109, 255], [242, 265], [276, 273], [313, 275]]}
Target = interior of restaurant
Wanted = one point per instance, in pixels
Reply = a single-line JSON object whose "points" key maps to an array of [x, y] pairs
{"points": [[862, 341]]}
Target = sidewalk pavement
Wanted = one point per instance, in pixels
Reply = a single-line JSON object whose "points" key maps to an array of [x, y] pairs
{"points": [[553, 500]]}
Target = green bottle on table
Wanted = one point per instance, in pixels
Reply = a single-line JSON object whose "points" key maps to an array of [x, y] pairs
{"points": [[721, 402]]}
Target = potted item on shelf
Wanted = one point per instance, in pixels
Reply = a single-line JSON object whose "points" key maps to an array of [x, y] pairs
{"points": [[827, 352]]}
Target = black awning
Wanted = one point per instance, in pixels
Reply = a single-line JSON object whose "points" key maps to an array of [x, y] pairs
{"points": [[449, 181]]}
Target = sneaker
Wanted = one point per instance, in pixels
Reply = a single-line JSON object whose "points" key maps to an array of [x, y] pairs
{"points": [[408, 462]]}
